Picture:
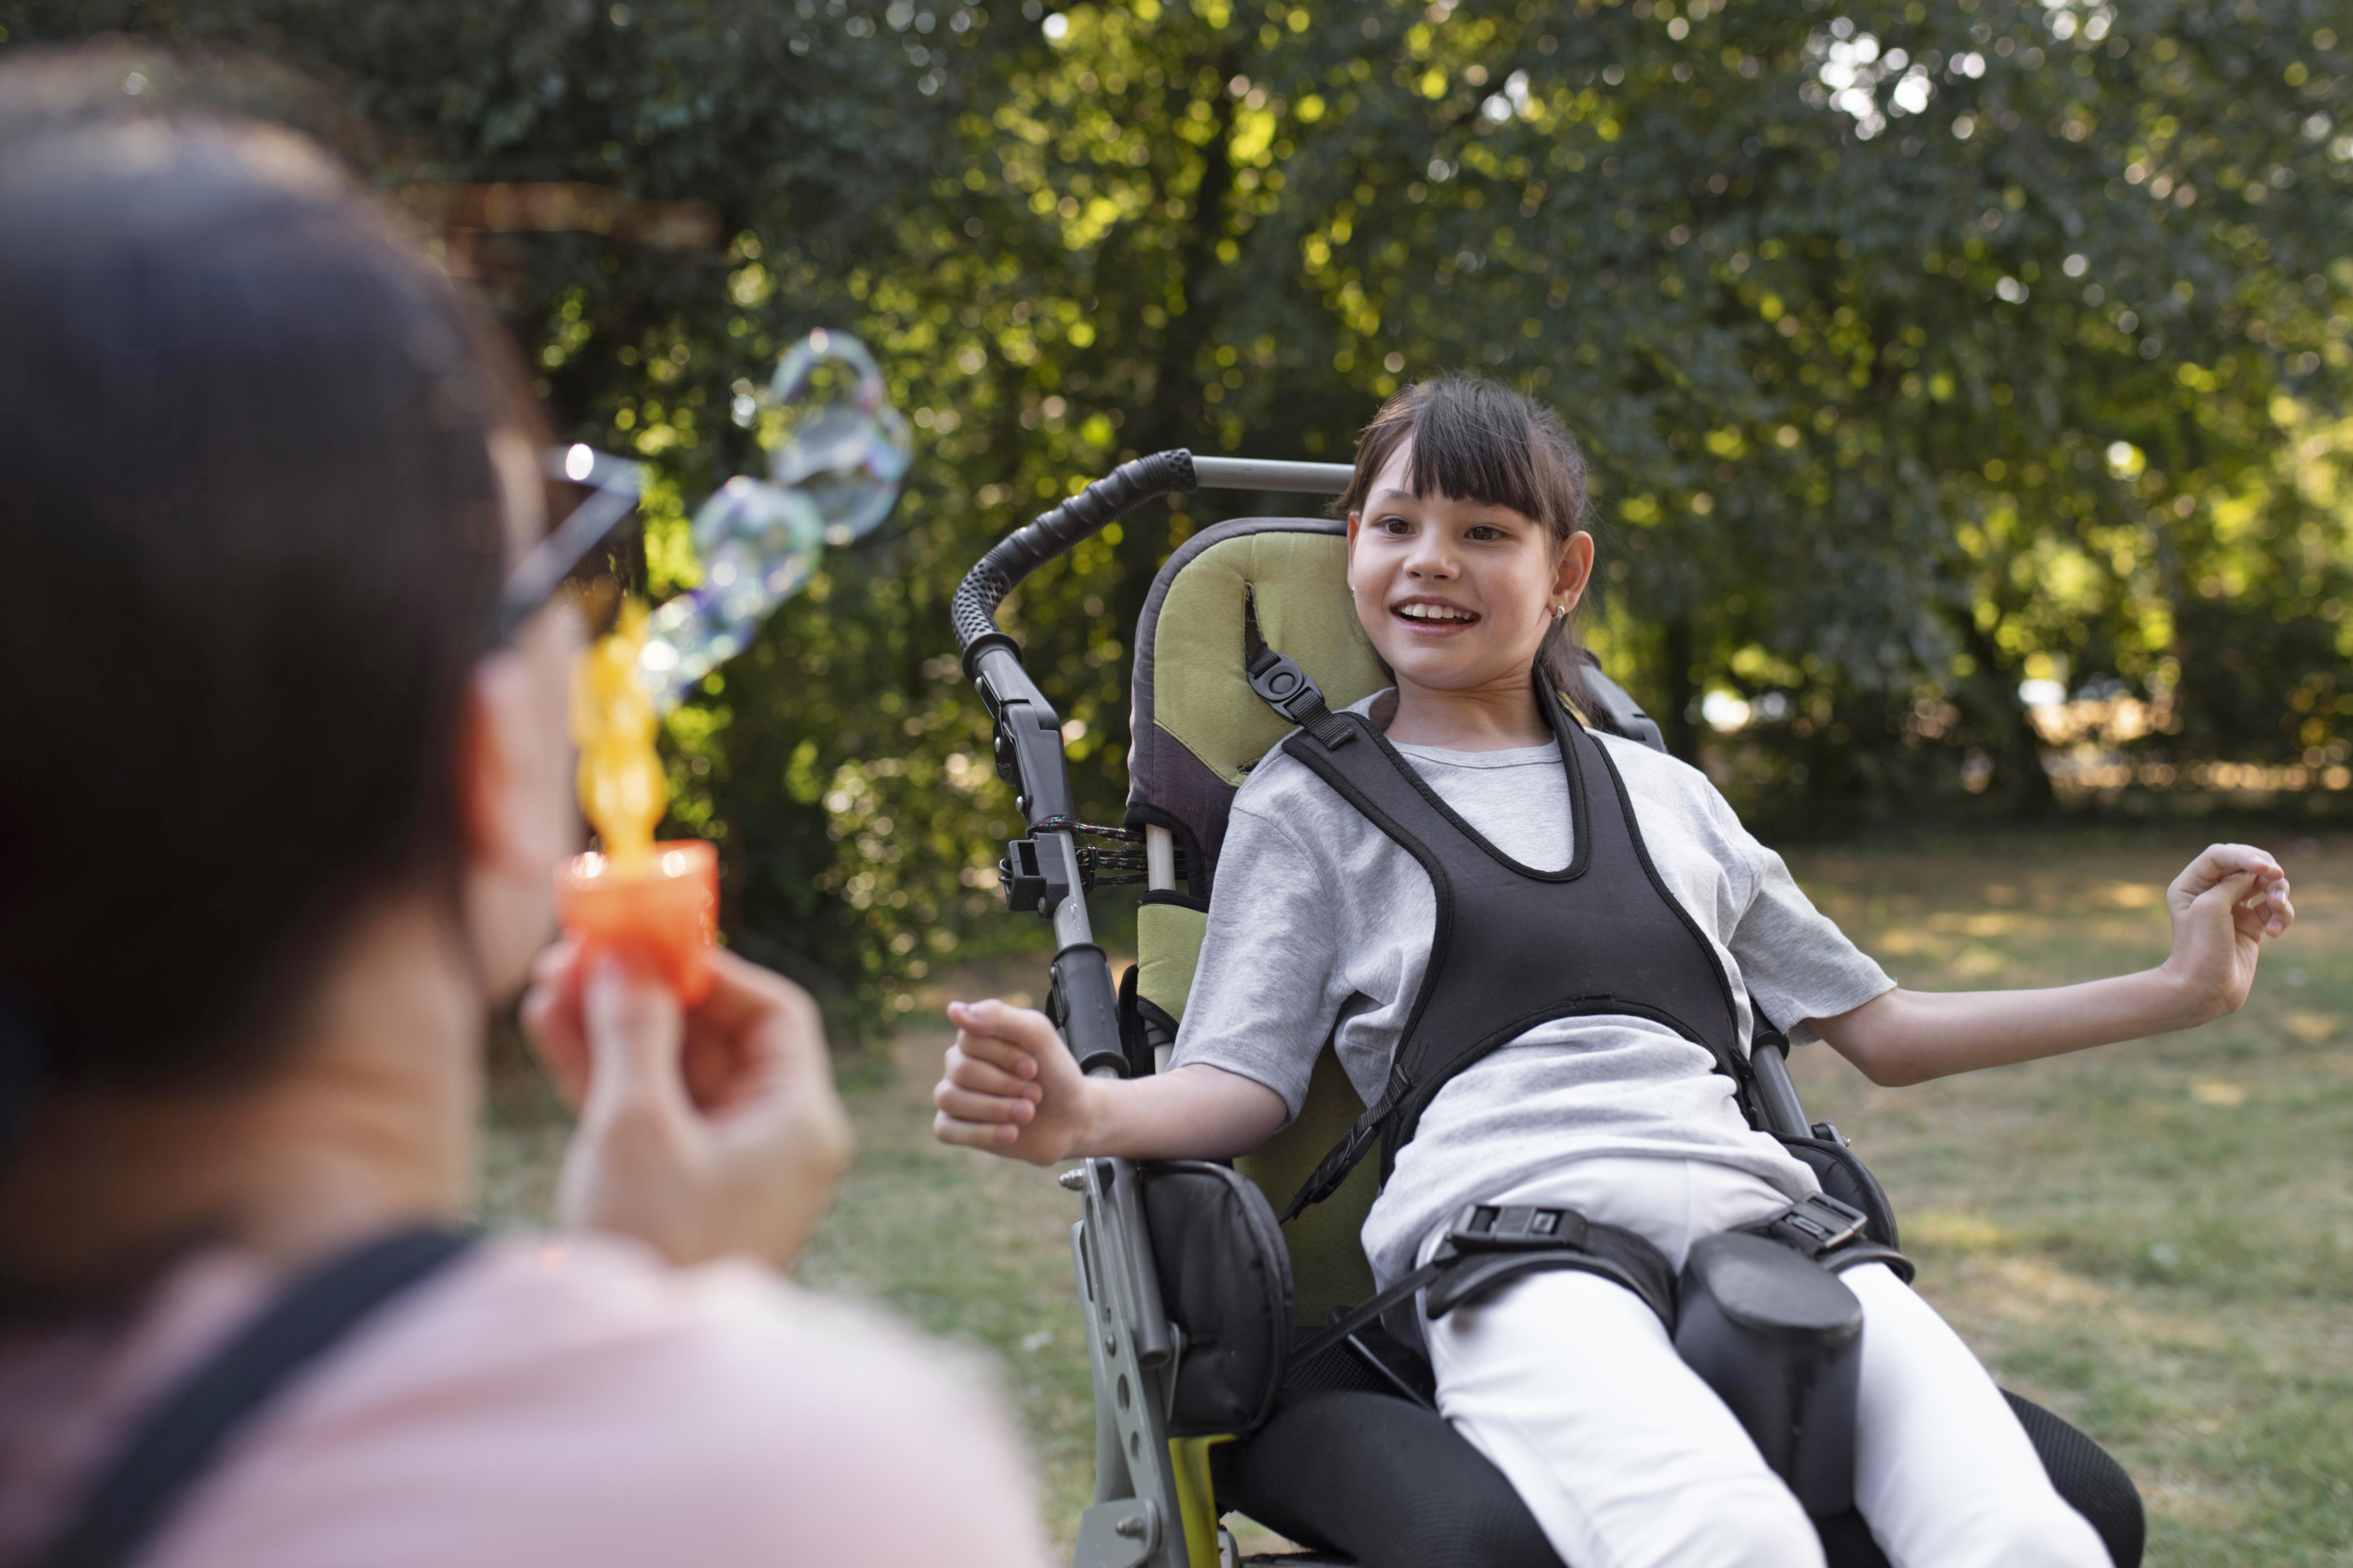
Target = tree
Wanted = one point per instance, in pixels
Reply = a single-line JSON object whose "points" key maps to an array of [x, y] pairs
{"points": [[1923, 352]]}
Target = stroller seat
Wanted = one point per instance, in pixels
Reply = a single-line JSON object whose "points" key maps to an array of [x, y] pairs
{"points": [[1353, 1462]]}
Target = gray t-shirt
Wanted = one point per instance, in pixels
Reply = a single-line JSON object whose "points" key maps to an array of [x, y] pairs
{"points": [[1320, 917]]}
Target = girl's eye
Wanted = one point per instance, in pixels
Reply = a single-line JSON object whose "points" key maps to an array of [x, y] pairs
{"points": [[1395, 525], [1486, 531]]}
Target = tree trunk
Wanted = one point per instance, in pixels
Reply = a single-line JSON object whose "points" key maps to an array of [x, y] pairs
{"points": [[1683, 692], [2018, 771]]}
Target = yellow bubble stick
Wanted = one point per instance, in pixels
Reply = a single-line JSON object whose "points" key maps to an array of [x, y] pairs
{"points": [[623, 790]]}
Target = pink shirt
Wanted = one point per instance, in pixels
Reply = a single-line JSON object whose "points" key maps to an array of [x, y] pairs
{"points": [[547, 1400]]}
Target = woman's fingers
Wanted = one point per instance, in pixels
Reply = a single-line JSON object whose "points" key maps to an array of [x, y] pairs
{"points": [[635, 1031], [552, 1022]]}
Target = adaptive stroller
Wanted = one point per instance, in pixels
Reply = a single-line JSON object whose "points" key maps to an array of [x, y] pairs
{"points": [[1234, 1368]]}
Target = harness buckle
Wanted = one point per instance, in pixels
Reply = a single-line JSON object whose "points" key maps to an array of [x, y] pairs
{"points": [[1516, 1227], [1283, 685], [1818, 1224]]}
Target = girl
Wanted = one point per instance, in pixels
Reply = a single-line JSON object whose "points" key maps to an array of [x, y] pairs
{"points": [[1465, 558]]}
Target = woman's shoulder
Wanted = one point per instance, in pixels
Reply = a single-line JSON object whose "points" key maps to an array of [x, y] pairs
{"points": [[575, 1398]]}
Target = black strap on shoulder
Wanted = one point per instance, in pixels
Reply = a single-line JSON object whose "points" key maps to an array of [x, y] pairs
{"points": [[1491, 1244], [1285, 688], [182, 1437]]}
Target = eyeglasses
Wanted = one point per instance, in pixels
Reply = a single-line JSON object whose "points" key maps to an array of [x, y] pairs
{"points": [[571, 554]]}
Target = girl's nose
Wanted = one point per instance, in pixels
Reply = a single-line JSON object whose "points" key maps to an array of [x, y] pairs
{"points": [[1429, 558]]}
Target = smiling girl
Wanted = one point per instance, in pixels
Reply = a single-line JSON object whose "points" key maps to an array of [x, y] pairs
{"points": [[1467, 560]]}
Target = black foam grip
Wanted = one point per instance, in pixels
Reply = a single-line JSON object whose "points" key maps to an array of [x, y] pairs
{"points": [[1022, 551], [1089, 1015]]}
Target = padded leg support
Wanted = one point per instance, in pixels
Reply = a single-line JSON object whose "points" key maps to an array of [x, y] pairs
{"points": [[1388, 1483], [1779, 1340]]}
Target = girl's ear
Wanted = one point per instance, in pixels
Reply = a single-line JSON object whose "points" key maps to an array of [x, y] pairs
{"points": [[1356, 522], [1573, 570]]}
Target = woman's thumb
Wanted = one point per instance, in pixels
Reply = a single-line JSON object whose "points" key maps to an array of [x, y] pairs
{"points": [[633, 1030]]}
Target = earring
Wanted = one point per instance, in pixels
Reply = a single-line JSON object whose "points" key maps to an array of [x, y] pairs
{"points": [[1558, 611]]}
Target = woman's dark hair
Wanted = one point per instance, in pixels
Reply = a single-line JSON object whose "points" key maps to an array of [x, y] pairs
{"points": [[252, 532], [1478, 440]]}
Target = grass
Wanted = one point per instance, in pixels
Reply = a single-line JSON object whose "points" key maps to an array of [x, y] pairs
{"points": [[2153, 1240]]}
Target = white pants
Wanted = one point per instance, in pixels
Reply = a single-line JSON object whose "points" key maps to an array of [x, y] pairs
{"points": [[1569, 1384]]}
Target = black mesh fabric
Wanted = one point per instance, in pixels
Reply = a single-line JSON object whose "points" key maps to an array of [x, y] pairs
{"points": [[2091, 1480], [1393, 1486]]}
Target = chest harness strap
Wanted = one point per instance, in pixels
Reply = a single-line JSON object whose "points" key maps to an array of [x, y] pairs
{"points": [[1514, 947]]}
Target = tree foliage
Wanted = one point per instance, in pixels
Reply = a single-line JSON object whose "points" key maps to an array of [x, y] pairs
{"points": [[1923, 349]]}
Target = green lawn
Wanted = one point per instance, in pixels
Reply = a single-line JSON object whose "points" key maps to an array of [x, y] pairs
{"points": [[2155, 1239]]}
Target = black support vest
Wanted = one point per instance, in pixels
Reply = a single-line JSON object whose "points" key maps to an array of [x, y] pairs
{"points": [[1514, 947]]}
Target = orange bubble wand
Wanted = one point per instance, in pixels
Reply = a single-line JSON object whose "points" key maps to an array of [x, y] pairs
{"points": [[657, 902], [835, 473]]}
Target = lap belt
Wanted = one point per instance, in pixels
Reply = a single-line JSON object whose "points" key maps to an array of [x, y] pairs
{"points": [[1777, 1341], [1491, 1244], [1494, 1244], [1830, 1233]]}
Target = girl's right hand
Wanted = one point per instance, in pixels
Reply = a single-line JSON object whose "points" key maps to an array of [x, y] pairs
{"points": [[1010, 1086]]}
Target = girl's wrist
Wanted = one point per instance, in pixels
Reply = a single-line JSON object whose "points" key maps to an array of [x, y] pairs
{"points": [[2181, 1002], [1094, 1117]]}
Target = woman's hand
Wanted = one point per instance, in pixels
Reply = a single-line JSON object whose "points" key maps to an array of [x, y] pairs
{"points": [[703, 1132], [2225, 905], [1010, 1086]]}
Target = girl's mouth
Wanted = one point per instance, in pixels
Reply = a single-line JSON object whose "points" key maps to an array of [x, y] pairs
{"points": [[1426, 617]]}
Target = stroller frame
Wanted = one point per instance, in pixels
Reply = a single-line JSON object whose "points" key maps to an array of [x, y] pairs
{"points": [[1155, 1503]]}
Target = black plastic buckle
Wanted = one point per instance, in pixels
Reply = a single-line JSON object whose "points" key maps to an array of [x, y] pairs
{"points": [[1517, 1228], [1278, 678], [1820, 1224], [1029, 886]]}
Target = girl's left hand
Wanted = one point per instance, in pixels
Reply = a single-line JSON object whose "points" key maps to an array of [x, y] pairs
{"points": [[2225, 905]]}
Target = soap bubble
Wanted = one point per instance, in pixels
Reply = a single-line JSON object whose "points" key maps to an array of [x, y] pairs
{"points": [[834, 475], [844, 445]]}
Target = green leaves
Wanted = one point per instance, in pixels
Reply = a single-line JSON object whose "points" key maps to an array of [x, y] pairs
{"points": [[1855, 305]]}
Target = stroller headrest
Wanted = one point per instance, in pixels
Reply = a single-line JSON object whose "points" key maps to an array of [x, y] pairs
{"points": [[1198, 727]]}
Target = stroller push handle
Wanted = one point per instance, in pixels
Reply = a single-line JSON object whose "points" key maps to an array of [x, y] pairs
{"points": [[1027, 548], [1121, 491]]}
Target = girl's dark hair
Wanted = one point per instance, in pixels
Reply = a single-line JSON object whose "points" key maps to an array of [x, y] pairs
{"points": [[252, 534], [1478, 440]]}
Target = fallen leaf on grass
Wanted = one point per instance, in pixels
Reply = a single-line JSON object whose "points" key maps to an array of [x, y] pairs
{"points": [[2214, 1091], [2312, 1026]]}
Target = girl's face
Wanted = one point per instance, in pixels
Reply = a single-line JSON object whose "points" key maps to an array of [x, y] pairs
{"points": [[1457, 594]]}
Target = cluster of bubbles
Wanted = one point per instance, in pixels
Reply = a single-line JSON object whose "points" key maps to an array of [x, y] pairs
{"points": [[835, 472]]}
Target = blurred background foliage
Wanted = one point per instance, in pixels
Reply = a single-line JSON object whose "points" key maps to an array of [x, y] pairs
{"points": [[1965, 381]]}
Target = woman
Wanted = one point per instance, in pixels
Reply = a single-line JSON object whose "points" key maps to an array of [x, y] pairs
{"points": [[278, 830], [1466, 558]]}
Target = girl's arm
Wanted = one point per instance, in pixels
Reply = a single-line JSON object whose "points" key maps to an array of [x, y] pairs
{"points": [[2228, 900], [1010, 1086]]}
